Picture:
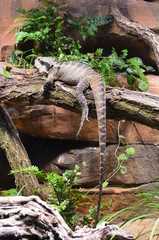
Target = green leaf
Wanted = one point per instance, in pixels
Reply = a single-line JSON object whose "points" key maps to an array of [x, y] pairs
{"points": [[6, 74], [143, 86], [130, 151], [99, 52], [124, 53], [121, 136], [20, 36], [149, 68], [122, 157], [123, 170], [105, 184], [84, 164], [131, 79], [137, 60], [131, 71], [13, 192]]}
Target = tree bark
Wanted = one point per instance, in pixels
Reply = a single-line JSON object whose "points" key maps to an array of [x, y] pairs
{"points": [[31, 218], [121, 103], [16, 154]]}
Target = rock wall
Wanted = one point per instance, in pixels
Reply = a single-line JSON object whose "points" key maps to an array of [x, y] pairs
{"points": [[7, 15], [107, 37], [56, 123]]}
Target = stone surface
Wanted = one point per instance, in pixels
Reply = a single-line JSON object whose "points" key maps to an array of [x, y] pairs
{"points": [[145, 155], [52, 122], [107, 37], [7, 15], [59, 155]]}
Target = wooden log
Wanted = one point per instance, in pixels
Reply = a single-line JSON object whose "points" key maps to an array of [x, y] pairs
{"points": [[31, 218], [121, 103]]}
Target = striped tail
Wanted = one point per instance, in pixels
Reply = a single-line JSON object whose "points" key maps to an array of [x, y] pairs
{"points": [[98, 89]]}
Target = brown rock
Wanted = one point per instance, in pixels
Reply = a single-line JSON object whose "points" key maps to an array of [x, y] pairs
{"points": [[52, 122], [8, 14], [146, 156], [141, 168], [115, 37]]}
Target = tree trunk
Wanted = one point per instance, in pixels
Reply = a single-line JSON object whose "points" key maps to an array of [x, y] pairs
{"points": [[16, 154], [31, 218]]}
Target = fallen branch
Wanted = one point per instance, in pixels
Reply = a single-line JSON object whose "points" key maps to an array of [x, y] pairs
{"points": [[32, 218]]}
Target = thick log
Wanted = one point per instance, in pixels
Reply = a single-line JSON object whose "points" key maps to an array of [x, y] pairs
{"points": [[31, 218], [16, 154], [121, 103]]}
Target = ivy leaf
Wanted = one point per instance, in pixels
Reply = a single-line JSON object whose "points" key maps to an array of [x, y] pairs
{"points": [[123, 170], [122, 157], [121, 136], [130, 151]]}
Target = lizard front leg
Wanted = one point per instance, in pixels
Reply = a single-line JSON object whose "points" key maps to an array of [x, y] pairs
{"points": [[47, 86], [81, 87], [50, 81]]}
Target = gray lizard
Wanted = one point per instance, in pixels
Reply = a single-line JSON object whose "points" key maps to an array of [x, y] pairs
{"points": [[82, 76]]}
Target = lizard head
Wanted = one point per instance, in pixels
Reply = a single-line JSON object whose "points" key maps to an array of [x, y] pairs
{"points": [[44, 64]]}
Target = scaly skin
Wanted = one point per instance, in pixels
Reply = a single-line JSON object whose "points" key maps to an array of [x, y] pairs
{"points": [[82, 76]]}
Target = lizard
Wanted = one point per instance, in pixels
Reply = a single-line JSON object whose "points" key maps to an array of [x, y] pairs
{"points": [[82, 76]]}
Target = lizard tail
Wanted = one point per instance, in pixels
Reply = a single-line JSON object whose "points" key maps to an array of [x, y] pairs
{"points": [[81, 87], [98, 89]]}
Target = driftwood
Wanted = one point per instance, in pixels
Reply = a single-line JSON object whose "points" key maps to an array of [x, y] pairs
{"points": [[121, 103], [31, 218], [16, 154]]}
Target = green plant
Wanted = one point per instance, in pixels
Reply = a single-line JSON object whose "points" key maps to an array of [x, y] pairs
{"points": [[43, 33], [90, 26], [133, 67], [108, 66], [147, 206], [63, 192], [65, 195], [128, 152]]}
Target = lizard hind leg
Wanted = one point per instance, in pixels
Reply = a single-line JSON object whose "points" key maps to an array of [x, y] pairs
{"points": [[81, 87]]}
